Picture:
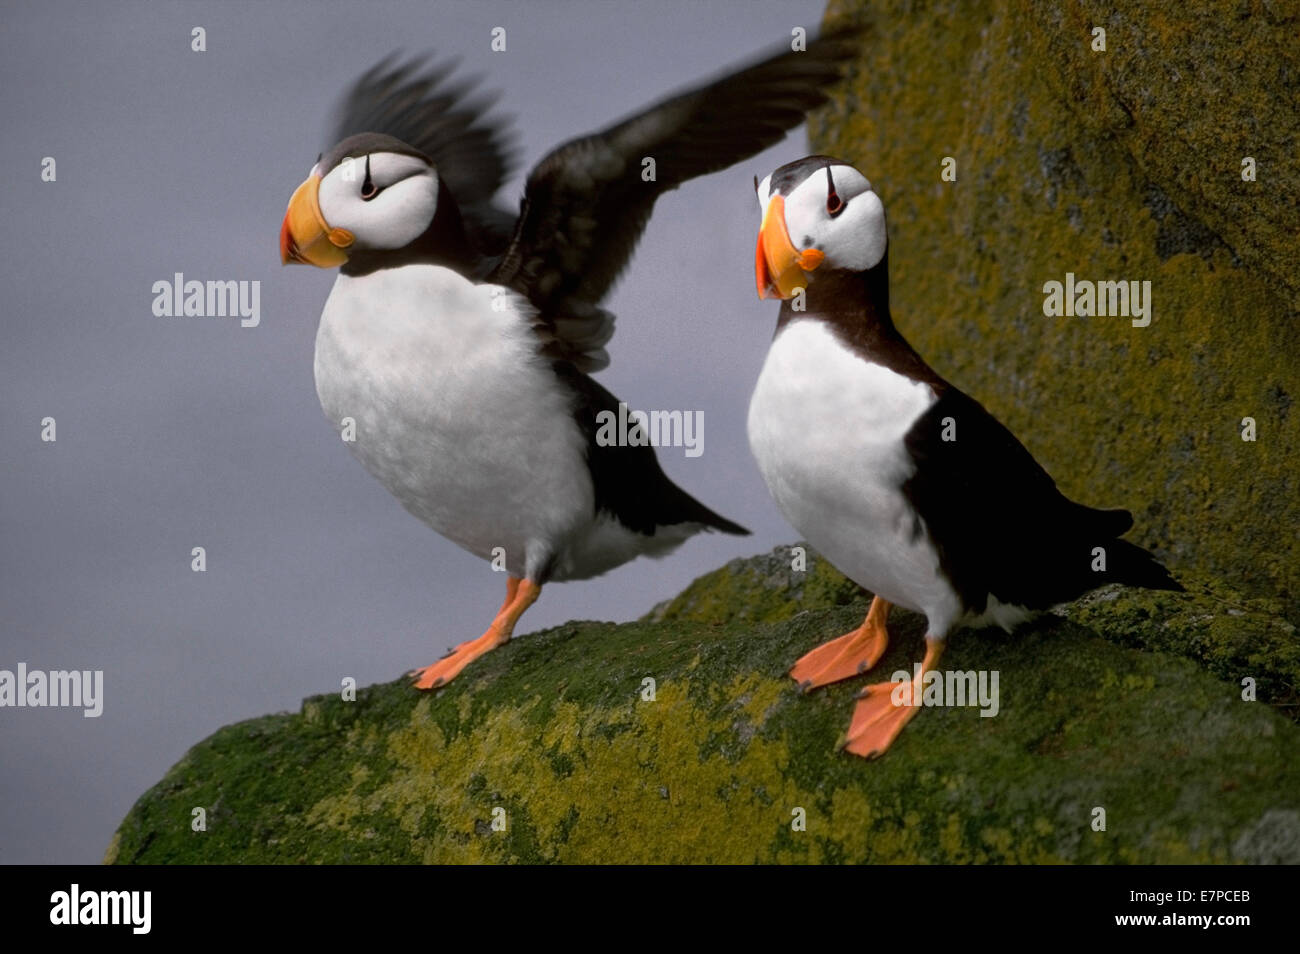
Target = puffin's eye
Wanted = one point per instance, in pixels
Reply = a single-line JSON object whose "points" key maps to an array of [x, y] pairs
{"points": [[368, 190], [834, 204]]}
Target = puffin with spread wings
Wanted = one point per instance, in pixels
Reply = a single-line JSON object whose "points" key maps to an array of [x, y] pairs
{"points": [[455, 346]]}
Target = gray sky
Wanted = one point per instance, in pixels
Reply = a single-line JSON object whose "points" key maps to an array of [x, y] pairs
{"points": [[175, 433]]}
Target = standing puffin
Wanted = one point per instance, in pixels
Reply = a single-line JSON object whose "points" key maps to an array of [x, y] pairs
{"points": [[454, 347], [905, 484]]}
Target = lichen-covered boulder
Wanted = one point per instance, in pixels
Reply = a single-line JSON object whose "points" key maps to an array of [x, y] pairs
{"points": [[556, 749], [1122, 164]]}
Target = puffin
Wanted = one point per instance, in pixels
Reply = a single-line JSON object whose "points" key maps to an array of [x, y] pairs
{"points": [[903, 482], [454, 352]]}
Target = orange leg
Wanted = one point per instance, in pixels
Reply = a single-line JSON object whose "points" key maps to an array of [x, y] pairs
{"points": [[512, 590], [520, 594], [846, 656], [876, 719]]}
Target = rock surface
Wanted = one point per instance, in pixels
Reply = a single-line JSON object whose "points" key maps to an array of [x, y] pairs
{"points": [[555, 730]]}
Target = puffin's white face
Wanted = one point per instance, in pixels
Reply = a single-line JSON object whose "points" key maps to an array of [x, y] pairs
{"points": [[374, 201], [385, 199], [832, 220]]}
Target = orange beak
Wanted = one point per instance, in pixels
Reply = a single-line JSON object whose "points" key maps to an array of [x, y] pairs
{"points": [[305, 237], [779, 267]]}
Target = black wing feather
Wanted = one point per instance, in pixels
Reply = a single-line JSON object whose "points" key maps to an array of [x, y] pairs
{"points": [[586, 203], [999, 522]]}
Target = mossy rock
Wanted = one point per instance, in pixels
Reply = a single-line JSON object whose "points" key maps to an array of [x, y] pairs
{"points": [[554, 730], [767, 588], [1122, 164]]}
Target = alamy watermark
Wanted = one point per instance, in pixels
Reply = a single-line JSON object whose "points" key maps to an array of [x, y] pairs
{"points": [[58, 688], [214, 299], [131, 908], [1083, 298], [654, 428], [953, 687]]}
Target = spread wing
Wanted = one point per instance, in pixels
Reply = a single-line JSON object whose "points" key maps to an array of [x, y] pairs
{"points": [[587, 202], [448, 121]]}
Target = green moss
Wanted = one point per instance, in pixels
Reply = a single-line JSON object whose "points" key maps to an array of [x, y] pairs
{"points": [[554, 730], [1230, 635], [762, 589], [1117, 165]]}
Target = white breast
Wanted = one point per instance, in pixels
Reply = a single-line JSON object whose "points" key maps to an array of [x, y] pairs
{"points": [[826, 427], [454, 411]]}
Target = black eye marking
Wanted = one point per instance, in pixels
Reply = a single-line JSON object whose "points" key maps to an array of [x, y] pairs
{"points": [[368, 190], [755, 183], [319, 157], [834, 204]]}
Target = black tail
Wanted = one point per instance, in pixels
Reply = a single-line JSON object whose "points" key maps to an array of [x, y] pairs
{"points": [[1126, 562], [1067, 562], [626, 478], [1100, 523], [684, 508], [1129, 564]]}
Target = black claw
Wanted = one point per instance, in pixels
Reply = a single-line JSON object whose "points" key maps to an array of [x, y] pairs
{"points": [[806, 686]]}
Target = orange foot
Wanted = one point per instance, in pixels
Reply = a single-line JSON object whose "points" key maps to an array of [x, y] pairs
{"points": [[846, 656], [877, 720], [520, 594]]}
